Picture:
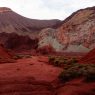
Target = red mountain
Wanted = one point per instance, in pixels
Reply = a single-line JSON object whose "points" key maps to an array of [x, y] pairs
{"points": [[18, 32], [76, 34], [78, 31], [13, 22]]}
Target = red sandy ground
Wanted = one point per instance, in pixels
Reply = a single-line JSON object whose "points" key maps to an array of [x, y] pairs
{"points": [[28, 76], [33, 76]]}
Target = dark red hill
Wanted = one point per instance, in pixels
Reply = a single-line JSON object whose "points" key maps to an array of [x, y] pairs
{"points": [[5, 55], [89, 58]]}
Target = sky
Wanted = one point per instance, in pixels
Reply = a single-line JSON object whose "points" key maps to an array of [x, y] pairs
{"points": [[46, 9]]}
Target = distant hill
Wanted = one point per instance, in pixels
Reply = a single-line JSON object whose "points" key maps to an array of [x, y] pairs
{"points": [[21, 29], [13, 22]]}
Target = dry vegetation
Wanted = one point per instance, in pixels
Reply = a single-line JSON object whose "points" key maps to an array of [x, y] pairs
{"points": [[20, 56], [72, 69]]}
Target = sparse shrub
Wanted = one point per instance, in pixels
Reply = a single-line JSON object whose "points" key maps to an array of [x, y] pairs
{"points": [[78, 70], [61, 61], [56, 63], [20, 56], [17, 57], [72, 69], [51, 59], [90, 77], [27, 56], [73, 60]]}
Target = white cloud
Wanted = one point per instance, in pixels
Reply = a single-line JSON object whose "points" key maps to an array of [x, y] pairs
{"points": [[46, 9]]}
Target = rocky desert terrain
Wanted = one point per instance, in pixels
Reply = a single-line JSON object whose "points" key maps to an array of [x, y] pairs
{"points": [[47, 57], [36, 76]]}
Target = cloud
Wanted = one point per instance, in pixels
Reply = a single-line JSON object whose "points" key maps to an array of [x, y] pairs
{"points": [[46, 9]]}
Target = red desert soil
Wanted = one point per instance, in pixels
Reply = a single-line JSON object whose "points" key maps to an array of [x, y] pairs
{"points": [[89, 58], [33, 76], [30, 76], [77, 87]]}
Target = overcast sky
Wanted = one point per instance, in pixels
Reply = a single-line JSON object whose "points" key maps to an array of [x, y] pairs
{"points": [[46, 9]]}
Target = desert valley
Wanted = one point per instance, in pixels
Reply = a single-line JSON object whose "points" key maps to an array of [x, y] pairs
{"points": [[47, 57]]}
